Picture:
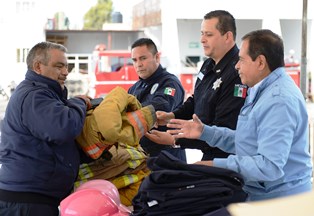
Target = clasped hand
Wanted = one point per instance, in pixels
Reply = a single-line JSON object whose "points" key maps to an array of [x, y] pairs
{"points": [[179, 129]]}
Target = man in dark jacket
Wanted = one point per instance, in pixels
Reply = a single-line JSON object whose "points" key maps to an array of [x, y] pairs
{"points": [[39, 158], [217, 97], [156, 86]]}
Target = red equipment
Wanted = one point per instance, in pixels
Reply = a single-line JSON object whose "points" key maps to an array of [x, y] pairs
{"points": [[112, 68]]}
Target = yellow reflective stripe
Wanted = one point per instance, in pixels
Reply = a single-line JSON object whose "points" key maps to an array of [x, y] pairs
{"points": [[85, 172], [79, 183], [133, 163], [130, 179], [134, 154]]}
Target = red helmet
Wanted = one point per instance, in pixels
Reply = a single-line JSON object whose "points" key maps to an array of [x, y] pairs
{"points": [[91, 202]]}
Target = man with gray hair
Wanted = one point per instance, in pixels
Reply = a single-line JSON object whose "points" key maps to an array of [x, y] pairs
{"points": [[39, 158]]}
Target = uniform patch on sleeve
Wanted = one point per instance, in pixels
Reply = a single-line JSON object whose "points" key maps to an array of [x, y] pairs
{"points": [[239, 91], [170, 91]]}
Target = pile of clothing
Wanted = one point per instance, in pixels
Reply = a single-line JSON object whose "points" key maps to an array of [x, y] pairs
{"points": [[124, 166], [176, 188], [110, 137], [119, 118]]}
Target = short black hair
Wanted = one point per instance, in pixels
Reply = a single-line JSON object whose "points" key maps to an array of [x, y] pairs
{"points": [[146, 42], [267, 43], [226, 21]]}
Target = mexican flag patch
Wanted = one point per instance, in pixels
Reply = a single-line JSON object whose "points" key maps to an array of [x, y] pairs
{"points": [[169, 91], [239, 91]]}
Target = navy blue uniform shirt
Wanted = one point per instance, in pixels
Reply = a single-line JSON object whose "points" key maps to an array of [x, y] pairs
{"points": [[164, 91]]}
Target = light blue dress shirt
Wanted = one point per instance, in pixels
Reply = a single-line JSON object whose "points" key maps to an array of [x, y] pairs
{"points": [[271, 142]]}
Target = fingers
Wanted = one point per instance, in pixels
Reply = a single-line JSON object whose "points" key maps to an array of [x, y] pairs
{"points": [[87, 101], [159, 114], [164, 117], [206, 163], [175, 123], [196, 119], [174, 131]]}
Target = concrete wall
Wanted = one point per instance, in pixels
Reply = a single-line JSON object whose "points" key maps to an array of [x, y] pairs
{"points": [[85, 41]]}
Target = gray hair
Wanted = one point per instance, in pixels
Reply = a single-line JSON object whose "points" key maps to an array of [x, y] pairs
{"points": [[40, 53]]}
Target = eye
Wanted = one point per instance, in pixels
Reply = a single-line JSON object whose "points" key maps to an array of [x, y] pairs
{"points": [[206, 34], [142, 58]]}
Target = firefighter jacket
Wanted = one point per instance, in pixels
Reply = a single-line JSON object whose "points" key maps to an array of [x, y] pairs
{"points": [[177, 188], [118, 118]]}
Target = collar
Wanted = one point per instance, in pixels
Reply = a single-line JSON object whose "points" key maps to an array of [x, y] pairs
{"points": [[154, 76], [258, 88], [40, 80], [228, 57], [253, 90]]}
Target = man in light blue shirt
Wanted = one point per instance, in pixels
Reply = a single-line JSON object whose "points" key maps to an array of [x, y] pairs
{"points": [[270, 143]]}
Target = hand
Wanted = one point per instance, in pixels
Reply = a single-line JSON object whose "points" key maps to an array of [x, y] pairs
{"points": [[186, 128], [160, 137], [206, 163], [87, 101], [164, 117]]}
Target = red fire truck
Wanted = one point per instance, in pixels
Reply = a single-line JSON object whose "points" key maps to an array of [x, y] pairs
{"points": [[112, 68]]}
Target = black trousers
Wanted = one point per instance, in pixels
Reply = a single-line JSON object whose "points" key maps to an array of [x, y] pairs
{"points": [[27, 209]]}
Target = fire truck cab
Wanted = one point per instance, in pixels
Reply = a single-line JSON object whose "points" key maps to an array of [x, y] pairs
{"points": [[112, 68]]}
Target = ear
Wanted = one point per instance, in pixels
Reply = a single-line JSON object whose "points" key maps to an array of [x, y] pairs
{"points": [[158, 57], [37, 67], [229, 35], [261, 61]]}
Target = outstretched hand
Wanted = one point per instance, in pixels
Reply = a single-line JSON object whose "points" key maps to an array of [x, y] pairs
{"points": [[186, 128]]}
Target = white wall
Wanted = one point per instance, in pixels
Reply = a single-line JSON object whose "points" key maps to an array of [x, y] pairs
{"points": [[21, 28], [179, 24]]}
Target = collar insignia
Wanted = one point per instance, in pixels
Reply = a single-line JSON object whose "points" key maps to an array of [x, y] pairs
{"points": [[154, 88]]}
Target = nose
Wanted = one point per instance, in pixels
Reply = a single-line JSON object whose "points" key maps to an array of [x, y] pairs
{"points": [[65, 71], [237, 66], [138, 64], [202, 39]]}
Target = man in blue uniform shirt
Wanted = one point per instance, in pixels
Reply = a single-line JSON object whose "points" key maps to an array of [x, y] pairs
{"points": [[156, 86]]}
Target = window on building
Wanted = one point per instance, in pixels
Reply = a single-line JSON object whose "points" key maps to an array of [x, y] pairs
{"points": [[21, 55], [24, 6], [191, 61], [60, 39]]}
